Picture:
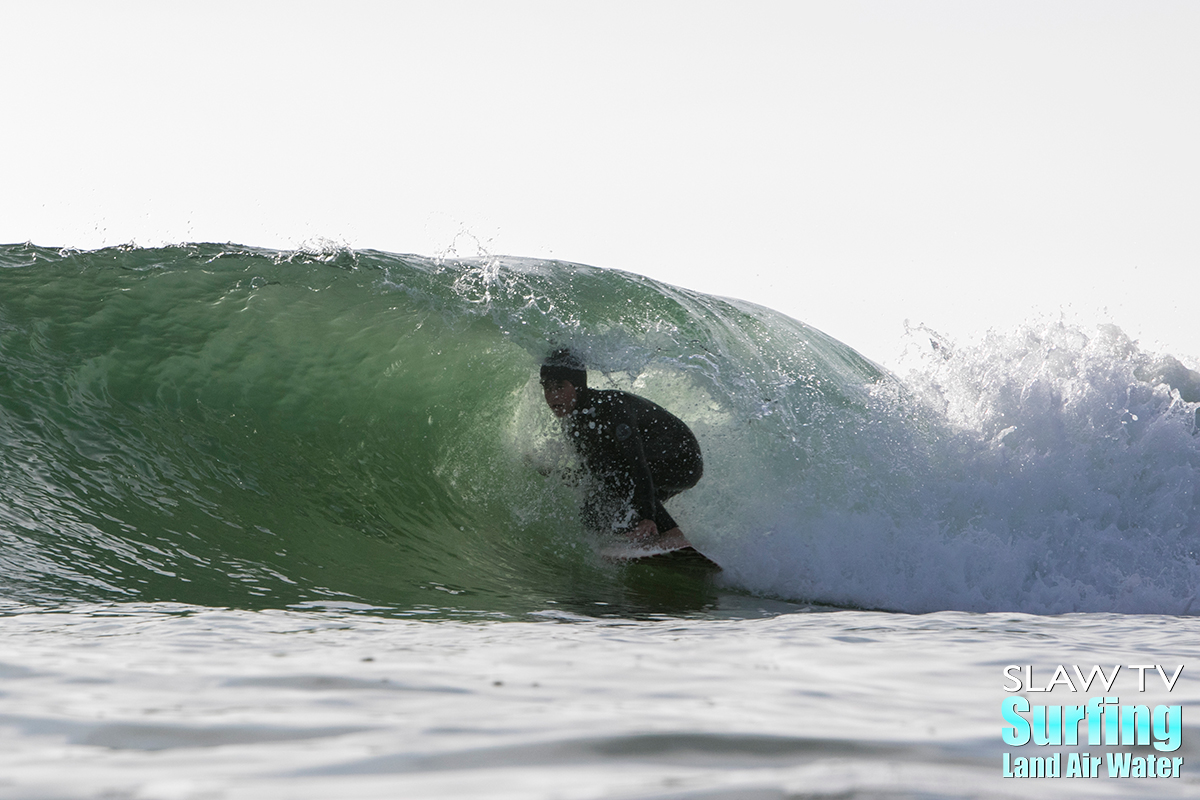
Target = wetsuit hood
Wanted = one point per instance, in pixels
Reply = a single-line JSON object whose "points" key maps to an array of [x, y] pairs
{"points": [[563, 365]]}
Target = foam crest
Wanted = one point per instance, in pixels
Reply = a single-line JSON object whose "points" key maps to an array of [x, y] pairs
{"points": [[1048, 470]]}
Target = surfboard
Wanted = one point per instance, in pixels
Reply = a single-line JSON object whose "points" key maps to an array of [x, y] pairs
{"points": [[686, 558]]}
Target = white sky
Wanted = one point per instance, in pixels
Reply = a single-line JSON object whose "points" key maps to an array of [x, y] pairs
{"points": [[853, 164]]}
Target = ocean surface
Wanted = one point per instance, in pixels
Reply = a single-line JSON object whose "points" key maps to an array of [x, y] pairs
{"points": [[292, 524]]}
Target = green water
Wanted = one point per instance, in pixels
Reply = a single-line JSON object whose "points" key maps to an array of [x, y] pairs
{"points": [[227, 426]]}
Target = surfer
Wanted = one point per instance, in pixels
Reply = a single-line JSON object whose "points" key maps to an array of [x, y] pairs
{"points": [[637, 453]]}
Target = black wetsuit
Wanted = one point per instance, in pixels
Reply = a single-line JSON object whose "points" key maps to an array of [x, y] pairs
{"points": [[638, 453]]}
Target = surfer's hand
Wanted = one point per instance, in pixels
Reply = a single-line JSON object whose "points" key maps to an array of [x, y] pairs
{"points": [[645, 532]]}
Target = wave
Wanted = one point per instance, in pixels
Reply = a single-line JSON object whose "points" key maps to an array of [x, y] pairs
{"points": [[225, 425]]}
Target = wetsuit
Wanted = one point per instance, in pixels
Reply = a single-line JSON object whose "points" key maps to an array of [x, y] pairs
{"points": [[638, 453]]}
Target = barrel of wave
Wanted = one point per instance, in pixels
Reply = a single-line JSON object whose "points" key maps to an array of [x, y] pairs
{"points": [[768, 435]]}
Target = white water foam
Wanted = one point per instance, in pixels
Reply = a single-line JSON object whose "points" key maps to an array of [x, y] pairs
{"points": [[1046, 470]]}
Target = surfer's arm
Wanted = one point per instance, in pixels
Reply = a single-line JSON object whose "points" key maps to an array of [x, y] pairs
{"points": [[550, 463]]}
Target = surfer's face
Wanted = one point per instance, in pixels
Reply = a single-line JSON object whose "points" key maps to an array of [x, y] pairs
{"points": [[560, 396]]}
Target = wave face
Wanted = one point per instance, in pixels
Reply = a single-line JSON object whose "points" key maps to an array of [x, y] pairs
{"points": [[222, 425]]}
